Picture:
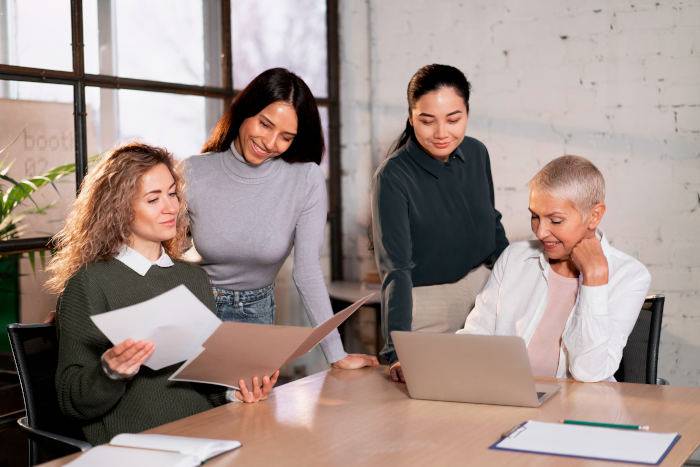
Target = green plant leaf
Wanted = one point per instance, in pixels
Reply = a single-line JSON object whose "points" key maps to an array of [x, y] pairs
{"points": [[32, 260], [14, 193], [8, 230], [23, 190]]}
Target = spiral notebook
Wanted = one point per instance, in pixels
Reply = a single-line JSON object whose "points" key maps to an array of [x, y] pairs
{"points": [[610, 444]]}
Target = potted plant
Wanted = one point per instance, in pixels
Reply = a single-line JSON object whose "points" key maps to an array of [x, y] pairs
{"points": [[16, 203]]}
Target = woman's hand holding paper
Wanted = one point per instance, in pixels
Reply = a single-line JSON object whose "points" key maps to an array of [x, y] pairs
{"points": [[125, 358]]}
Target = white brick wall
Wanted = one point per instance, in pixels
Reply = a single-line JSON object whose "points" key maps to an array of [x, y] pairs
{"points": [[617, 82]]}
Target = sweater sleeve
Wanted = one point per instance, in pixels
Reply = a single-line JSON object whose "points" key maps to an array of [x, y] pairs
{"points": [[307, 273], [84, 390], [391, 234]]}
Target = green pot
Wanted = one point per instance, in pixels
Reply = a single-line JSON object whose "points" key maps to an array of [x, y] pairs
{"points": [[9, 297]]}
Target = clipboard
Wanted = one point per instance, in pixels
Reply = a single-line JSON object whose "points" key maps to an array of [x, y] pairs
{"points": [[588, 442]]}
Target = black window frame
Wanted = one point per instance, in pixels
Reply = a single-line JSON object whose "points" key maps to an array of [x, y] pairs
{"points": [[78, 79]]}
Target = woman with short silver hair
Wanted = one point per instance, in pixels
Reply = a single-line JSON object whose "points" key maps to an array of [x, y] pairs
{"points": [[570, 295]]}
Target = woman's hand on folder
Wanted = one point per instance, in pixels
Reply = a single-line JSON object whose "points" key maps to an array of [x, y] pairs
{"points": [[125, 358], [257, 392], [355, 361]]}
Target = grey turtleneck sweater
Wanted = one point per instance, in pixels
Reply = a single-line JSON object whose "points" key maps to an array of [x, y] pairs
{"points": [[245, 220]]}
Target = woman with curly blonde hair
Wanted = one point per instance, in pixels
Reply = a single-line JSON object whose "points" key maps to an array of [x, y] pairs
{"points": [[120, 246], [100, 222]]}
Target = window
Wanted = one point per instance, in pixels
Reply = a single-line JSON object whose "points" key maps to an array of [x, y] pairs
{"points": [[160, 40], [290, 34], [161, 71]]}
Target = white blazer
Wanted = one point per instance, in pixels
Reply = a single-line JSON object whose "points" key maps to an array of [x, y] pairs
{"points": [[515, 297]]}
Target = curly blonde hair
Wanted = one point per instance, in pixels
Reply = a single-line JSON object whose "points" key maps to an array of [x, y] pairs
{"points": [[100, 221]]}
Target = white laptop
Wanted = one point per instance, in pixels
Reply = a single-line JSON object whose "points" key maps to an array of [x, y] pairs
{"points": [[469, 368]]}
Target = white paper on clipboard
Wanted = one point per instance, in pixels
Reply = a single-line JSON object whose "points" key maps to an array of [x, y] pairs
{"points": [[589, 442]]}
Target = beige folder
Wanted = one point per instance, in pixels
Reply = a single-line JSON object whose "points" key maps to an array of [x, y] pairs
{"points": [[238, 351]]}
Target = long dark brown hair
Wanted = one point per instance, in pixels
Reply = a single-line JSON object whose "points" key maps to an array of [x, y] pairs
{"points": [[275, 84]]}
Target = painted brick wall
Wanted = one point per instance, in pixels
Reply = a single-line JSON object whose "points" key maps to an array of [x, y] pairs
{"points": [[615, 81]]}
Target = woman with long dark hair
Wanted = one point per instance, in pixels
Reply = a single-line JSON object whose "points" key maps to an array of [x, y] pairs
{"points": [[258, 192], [433, 216]]}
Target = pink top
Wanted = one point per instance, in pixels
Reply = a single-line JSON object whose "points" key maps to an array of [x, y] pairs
{"points": [[543, 348]]}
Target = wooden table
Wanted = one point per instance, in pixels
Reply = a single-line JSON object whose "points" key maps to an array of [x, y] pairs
{"points": [[349, 418]]}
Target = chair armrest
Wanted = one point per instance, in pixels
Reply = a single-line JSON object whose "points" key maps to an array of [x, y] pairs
{"points": [[48, 436]]}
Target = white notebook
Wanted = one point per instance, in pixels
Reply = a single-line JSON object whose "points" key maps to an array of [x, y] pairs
{"points": [[589, 442], [154, 450]]}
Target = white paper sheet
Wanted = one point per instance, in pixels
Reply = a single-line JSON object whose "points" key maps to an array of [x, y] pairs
{"points": [[110, 456], [589, 442], [175, 321]]}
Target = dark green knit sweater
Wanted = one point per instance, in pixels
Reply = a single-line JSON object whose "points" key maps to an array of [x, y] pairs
{"points": [[105, 407]]}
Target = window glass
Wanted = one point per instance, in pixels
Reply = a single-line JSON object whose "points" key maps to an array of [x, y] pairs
{"points": [[176, 122], [36, 33], [162, 40], [36, 135], [280, 33], [36, 132]]}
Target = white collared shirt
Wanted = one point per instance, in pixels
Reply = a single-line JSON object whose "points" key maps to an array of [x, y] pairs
{"points": [[139, 263], [515, 298]]}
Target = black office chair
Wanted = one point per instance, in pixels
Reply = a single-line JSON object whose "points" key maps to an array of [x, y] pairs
{"points": [[51, 434], [641, 354]]}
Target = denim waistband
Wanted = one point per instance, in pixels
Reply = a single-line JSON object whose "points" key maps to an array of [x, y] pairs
{"points": [[244, 295]]}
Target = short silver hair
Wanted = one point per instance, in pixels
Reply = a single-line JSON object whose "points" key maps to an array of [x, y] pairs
{"points": [[574, 178]]}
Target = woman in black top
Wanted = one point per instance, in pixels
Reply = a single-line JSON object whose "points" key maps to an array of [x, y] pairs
{"points": [[433, 212]]}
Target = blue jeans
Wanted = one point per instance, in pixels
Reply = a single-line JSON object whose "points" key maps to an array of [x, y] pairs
{"points": [[246, 306]]}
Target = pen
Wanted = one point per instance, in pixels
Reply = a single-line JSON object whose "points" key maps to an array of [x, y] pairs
{"points": [[607, 425]]}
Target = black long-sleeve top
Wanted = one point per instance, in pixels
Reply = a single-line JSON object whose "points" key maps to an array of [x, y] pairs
{"points": [[432, 223]]}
